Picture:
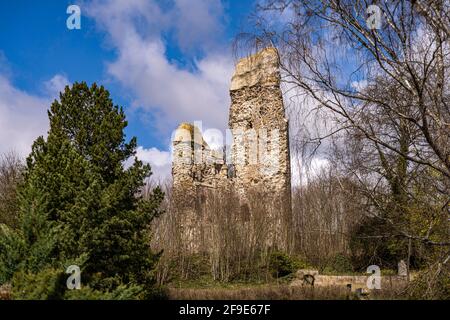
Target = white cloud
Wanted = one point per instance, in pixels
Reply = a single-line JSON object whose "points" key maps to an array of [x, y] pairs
{"points": [[154, 156], [301, 173], [160, 162], [23, 117], [172, 93], [198, 23], [56, 85], [139, 31], [359, 85]]}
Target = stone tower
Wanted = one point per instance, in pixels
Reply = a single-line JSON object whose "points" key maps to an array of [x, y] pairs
{"points": [[258, 158], [260, 150], [194, 162]]}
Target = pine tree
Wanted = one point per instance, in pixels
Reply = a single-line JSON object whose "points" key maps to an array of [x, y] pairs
{"points": [[30, 246], [91, 203]]}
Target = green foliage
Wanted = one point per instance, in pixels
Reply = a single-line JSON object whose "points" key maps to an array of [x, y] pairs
{"points": [[79, 203], [367, 248], [197, 265], [280, 264], [432, 283], [341, 264], [300, 263], [12, 248], [122, 292], [48, 284], [31, 246]]}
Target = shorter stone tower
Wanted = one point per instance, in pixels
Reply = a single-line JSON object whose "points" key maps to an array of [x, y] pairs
{"points": [[194, 162]]}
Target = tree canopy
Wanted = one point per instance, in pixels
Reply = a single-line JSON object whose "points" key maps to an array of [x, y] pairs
{"points": [[79, 204]]}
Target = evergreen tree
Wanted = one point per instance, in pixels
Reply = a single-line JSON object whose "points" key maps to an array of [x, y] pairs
{"points": [[89, 206]]}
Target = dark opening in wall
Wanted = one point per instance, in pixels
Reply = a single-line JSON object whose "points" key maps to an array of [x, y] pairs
{"points": [[231, 171]]}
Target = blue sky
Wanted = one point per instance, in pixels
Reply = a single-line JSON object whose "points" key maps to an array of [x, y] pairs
{"points": [[164, 61]]}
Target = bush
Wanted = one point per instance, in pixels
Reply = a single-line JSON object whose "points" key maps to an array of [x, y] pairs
{"points": [[432, 283], [340, 263], [281, 265], [48, 284], [196, 266], [122, 292], [11, 253]]}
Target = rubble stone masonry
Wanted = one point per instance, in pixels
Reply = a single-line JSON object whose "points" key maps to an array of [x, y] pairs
{"points": [[258, 158]]}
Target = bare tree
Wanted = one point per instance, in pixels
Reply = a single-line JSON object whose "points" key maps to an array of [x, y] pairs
{"points": [[11, 169], [389, 86]]}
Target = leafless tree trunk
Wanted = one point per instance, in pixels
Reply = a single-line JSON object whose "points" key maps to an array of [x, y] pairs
{"points": [[11, 169], [387, 88]]}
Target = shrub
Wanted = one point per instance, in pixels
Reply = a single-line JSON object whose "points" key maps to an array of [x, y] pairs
{"points": [[48, 284], [281, 264], [340, 263], [431, 284], [122, 292]]}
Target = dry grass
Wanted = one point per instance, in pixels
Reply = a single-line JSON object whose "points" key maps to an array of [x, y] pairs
{"points": [[281, 292], [5, 292], [269, 292]]}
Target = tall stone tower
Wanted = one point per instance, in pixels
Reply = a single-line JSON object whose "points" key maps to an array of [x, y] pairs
{"points": [[260, 150]]}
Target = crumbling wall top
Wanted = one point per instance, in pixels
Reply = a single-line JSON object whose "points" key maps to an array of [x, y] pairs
{"points": [[261, 68], [187, 132]]}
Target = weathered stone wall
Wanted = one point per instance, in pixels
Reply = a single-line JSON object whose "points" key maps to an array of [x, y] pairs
{"points": [[260, 147], [257, 119], [195, 165], [260, 150], [356, 282]]}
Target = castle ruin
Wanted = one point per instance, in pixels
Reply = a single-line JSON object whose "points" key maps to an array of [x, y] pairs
{"points": [[257, 157]]}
